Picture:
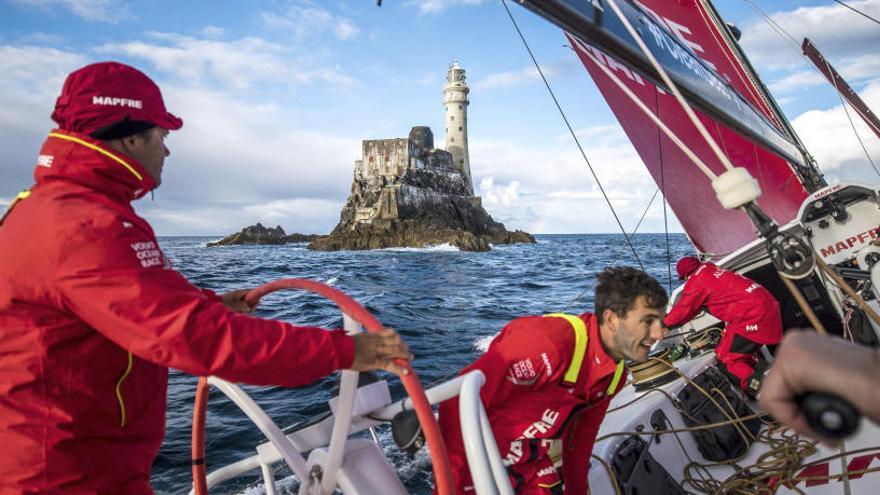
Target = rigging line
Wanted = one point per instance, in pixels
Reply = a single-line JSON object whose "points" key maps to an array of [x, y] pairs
{"points": [[849, 118], [857, 11], [776, 27], [663, 198], [722, 157], [782, 32], [648, 113], [574, 136], [636, 229]]}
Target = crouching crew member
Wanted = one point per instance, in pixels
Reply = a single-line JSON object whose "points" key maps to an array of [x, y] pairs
{"points": [[751, 314], [553, 376]]}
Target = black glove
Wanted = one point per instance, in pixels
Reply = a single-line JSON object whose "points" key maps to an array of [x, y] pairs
{"points": [[753, 384]]}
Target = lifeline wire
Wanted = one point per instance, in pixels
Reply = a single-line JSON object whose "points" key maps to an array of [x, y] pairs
{"points": [[574, 136]]}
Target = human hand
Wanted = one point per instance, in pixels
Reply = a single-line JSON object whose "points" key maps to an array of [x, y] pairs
{"points": [[809, 362], [377, 351], [234, 301]]}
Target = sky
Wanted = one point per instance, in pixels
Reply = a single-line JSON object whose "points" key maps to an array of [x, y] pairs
{"points": [[277, 96]]}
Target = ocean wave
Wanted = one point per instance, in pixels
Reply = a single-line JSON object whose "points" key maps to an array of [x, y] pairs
{"points": [[439, 247], [482, 343]]}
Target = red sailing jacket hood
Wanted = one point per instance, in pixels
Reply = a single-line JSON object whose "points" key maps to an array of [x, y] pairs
{"points": [[91, 318]]}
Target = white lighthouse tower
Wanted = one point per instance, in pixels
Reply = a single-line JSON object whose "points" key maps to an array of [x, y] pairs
{"points": [[455, 101]]}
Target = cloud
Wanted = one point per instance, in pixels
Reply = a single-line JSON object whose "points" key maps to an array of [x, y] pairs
{"points": [[237, 64], [852, 69], [828, 135], [548, 189], [213, 32], [507, 79], [111, 11], [32, 77], [438, 6], [306, 21], [839, 33]]}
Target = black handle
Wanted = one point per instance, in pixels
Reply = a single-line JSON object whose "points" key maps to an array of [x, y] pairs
{"points": [[829, 415]]}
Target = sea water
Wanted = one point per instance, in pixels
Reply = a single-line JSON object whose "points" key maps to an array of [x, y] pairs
{"points": [[447, 304]]}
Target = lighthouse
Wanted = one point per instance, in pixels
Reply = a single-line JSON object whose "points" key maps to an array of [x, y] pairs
{"points": [[455, 102]]}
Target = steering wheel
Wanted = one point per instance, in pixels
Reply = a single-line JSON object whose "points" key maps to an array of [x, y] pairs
{"points": [[354, 313]]}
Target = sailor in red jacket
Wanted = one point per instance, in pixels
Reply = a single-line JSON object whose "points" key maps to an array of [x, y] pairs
{"points": [[552, 377], [92, 315], [750, 311]]}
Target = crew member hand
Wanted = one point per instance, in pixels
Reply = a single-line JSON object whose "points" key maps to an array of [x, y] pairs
{"points": [[376, 351], [809, 362], [234, 301]]}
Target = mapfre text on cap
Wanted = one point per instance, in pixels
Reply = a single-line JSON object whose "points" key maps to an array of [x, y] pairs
{"points": [[117, 102]]}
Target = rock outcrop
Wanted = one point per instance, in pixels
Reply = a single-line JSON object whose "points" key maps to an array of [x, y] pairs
{"points": [[258, 234], [405, 193]]}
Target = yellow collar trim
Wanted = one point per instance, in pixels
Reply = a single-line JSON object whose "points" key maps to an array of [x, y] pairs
{"points": [[99, 150]]}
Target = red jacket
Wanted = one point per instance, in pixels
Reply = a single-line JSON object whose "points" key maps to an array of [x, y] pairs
{"points": [[528, 403], [730, 297], [91, 318]]}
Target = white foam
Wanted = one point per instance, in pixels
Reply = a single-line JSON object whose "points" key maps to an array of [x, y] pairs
{"points": [[331, 280], [440, 247], [482, 343], [205, 244]]}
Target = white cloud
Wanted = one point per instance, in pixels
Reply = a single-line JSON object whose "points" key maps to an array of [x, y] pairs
{"points": [[437, 6], [32, 78], [237, 64], [91, 10], [828, 135], [838, 33], [852, 69], [507, 79], [213, 31], [498, 196], [548, 189], [308, 21]]}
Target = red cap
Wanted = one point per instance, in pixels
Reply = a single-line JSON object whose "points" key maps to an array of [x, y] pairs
{"points": [[686, 266], [106, 93]]}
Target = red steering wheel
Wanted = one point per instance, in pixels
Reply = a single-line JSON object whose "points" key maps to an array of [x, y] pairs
{"points": [[442, 471]]}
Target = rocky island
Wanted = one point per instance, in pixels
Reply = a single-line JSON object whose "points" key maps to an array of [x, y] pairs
{"points": [[258, 234], [406, 193]]}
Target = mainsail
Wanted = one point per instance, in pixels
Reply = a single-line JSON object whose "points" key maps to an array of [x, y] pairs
{"points": [[691, 28]]}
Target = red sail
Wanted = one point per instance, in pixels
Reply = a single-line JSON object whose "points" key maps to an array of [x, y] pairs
{"points": [[710, 227]]}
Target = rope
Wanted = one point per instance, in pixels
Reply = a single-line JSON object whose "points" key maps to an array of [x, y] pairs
{"points": [[644, 213], [796, 46], [722, 157], [849, 118], [856, 11], [573, 135]]}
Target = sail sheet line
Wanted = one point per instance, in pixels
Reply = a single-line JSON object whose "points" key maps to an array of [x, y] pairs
{"points": [[722, 157], [638, 102], [574, 136]]}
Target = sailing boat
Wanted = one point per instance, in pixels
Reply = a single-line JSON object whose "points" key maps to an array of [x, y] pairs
{"points": [[677, 428]]}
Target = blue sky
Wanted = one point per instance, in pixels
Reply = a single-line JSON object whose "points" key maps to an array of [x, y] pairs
{"points": [[277, 95]]}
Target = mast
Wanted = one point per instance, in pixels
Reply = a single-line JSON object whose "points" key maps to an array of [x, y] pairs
{"points": [[842, 86]]}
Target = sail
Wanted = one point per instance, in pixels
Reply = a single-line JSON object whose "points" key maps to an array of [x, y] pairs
{"points": [[710, 227]]}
